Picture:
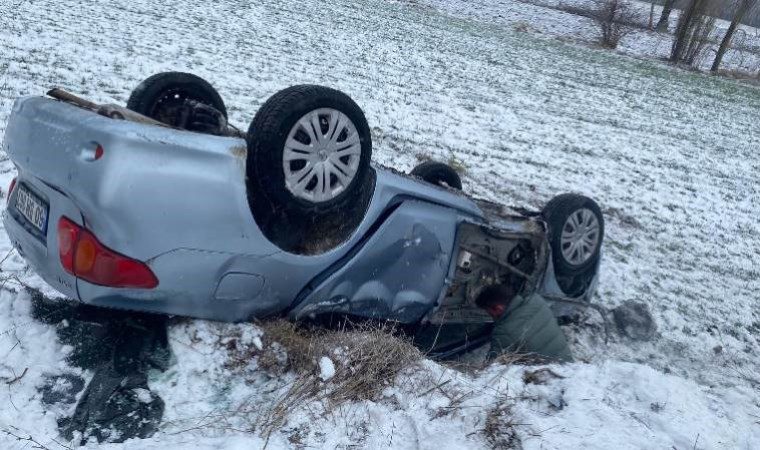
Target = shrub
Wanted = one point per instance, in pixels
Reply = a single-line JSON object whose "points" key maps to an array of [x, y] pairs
{"points": [[614, 18]]}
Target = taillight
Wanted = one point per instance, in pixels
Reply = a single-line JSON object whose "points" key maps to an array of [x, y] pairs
{"points": [[11, 186], [83, 256], [68, 235]]}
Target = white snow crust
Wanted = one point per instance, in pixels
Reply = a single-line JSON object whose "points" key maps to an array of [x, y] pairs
{"points": [[326, 368]]}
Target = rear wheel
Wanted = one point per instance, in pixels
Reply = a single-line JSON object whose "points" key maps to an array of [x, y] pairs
{"points": [[439, 174], [162, 97], [309, 150], [576, 230]]}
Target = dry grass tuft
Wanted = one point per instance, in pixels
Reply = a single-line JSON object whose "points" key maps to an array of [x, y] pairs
{"points": [[367, 359], [540, 376], [459, 165], [286, 348], [516, 359], [423, 156], [499, 429]]}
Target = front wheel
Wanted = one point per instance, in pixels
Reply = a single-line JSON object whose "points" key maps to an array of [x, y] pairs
{"points": [[576, 231], [309, 150]]}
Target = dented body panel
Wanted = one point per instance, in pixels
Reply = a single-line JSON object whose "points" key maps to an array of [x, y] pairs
{"points": [[177, 201], [398, 274]]}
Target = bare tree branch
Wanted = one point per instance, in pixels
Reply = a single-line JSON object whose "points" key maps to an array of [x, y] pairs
{"points": [[17, 378]]}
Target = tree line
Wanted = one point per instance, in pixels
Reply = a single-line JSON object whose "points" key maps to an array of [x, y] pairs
{"points": [[695, 23], [723, 10], [694, 29]]}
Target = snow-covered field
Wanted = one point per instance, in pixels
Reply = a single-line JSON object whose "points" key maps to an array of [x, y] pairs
{"points": [[743, 55], [670, 155]]}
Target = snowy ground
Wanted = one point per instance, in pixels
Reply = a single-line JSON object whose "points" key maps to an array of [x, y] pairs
{"points": [[670, 155], [744, 55]]}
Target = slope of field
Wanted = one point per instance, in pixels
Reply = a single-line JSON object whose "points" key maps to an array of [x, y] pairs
{"points": [[670, 156]]}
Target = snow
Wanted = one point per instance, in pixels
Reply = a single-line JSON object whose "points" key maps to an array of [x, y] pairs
{"points": [[257, 342], [670, 155], [29, 351], [326, 368], [637, 407], [143, 395]]}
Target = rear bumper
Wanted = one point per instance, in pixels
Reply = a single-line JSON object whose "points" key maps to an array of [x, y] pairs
{"points": [[177, 294], [191, 284], [41, 251]]}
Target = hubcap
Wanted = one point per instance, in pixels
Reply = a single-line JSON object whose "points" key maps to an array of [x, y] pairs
{"points": [[580, 236], [321, 156]]}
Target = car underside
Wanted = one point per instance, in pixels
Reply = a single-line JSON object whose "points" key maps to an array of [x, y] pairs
{"points": [[164, 207]]}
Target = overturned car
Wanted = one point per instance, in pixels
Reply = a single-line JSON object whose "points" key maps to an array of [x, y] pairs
{"points": [[163, 207]]}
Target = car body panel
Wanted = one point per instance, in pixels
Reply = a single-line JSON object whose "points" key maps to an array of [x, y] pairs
{"points": [[41, 251], [398, 274], [177, 200], [140, 196]]}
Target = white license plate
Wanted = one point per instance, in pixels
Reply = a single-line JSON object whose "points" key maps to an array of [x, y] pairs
{"points": [[33, 208]]}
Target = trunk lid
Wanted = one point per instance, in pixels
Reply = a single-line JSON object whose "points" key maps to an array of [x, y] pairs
{"points": [[149, 178]]}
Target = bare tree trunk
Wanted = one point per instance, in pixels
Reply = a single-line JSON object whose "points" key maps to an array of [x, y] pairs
{"points": [[741, 12], [686, 22], [662, 25], [651, 16]]}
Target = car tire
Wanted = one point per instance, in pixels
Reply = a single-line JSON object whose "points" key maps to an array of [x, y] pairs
{"points": [[160, 96], [309, 150], [439, 174], [576, 232]]}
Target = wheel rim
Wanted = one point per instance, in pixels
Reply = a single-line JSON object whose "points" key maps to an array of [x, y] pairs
{"points": [[321, 156], [580, 236]]}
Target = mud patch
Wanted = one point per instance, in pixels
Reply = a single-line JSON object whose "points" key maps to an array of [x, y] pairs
{"points": [[634, 320], [114, 408], [121, 347], [61, 389]]}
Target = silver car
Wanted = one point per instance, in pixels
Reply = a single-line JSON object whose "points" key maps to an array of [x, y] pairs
{"points": [[163, 207]]}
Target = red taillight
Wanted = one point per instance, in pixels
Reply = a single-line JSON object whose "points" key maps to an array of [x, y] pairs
{"points": [[11, 186], [83, 256], [68, 235]]}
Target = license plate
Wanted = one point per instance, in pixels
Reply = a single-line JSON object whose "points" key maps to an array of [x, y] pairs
{"points": [[33, 208]]}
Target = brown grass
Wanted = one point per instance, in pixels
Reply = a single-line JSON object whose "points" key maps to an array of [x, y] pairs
{"points": [[367, 359], [741, 75], [457, 164], [540, 376], [499, 429]]}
